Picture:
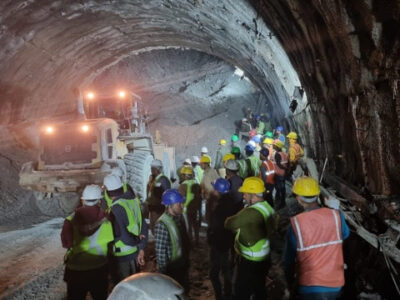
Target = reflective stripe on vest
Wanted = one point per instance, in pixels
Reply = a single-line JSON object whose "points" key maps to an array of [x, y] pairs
{"points": [[284, 160], [269, 171], [109, 200], [189, 194], [198, 173], [260, 250], [319, 248], [174, 235], [89, 252], [134, 215]]}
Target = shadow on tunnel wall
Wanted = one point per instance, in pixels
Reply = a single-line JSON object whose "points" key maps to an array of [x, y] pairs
{"points": [[12, 101]]}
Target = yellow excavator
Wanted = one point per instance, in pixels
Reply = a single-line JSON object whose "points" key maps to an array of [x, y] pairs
{"points": [[109, 131]]}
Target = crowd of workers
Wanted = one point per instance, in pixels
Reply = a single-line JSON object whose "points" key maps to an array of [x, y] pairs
{"points": [[243, 191]]}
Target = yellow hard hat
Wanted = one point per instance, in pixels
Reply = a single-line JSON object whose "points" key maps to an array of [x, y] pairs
{"points": [[278, 143], [252, 185], [222, 142], [228, 157], [306, 186], [292, 135], [268, 141], [205, 159], [187, 170]]}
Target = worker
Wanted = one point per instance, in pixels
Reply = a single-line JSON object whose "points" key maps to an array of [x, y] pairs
{"points": [[158, 183], [220, 240], [280, 160], [204, 151], [295, 152], [186, 162], [266, 124], [87, 234], [228, 156], [267, 174], [221, 151], [279, 134], [130, 232], [242, 164], [257, 142], [253, 226], [267, 144], [253, 162], [314, 245], [235, 182], [171, 239], [234, 141], [148, 286], [198, 171], [191, 190], [209, 176], [117, 171]]}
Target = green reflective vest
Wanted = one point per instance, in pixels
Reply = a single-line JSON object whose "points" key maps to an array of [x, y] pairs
{"points": [[89, 252], [198, 173], [243, 170], [189, 194], [174, 236], [260, 250], [134, 215], [109, 200], [255, 164]]}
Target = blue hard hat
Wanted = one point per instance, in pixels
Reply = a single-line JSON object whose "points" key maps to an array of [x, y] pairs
{"points": [[280, 128], [172, 196], [249, 148], [256, 139], [264, 151], [257, 117], [222, 185]]}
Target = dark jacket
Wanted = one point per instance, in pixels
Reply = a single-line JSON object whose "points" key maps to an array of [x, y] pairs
{"points": [[237, 198]]}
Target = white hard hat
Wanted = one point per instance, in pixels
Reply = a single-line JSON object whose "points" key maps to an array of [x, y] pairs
{"points": [[148, 286], [232, 165], [156, 163], [112, 182], [195, 159], [252, 143], [91, 192], [188, 161], [204, 150], [117, 172]]}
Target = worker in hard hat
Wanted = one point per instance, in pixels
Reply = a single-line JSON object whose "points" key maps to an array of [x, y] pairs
{"points": [[203, 151], [130, 231], [253, 226], [87, 234], [148, 286], [221, 151], [171, 239], [220, 240], [295, 152], [117, 171], [191, 190], [186, 162], [267, 144], [253, 161], [198, 171], [314, 245], [280, 160], [263, 124], [278, 134], [241, 161], [235, 182], [209, 176], [267, 174], [234, 141], [158, 183]]}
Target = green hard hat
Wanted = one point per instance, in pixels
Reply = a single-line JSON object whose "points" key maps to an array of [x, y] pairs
{"points": [[235, 138], [269, 134], [235, 150]]}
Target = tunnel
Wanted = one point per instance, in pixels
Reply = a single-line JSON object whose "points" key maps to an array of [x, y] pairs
{"points": [[328, 70]]}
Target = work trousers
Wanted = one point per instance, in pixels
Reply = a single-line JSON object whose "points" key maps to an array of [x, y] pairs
{"points": [[220, 262], [269, 188], [280, 195], [120, 270], [79, 283], [251, 276], [193, 224]]}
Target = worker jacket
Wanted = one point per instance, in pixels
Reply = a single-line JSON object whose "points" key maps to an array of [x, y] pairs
{"points": [[319, 248], [198, 173], [174, 236], [134, 215], [260, 250], [153, 198], [243, 168], [89, 252], [253, 165], [284, 162], [268, 167], [109, 200], [189, 193], [295, 153]]}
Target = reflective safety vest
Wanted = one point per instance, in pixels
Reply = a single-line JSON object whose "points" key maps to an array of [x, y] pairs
{"points": [[254, 167], [109, 200], [319, 247], [174, 236], [295, 152], [189, 194], [134, 215], [269, 168], [260, 250], [89, 252], [198, 173], [156, 182], [284, 161], [243, 172]]}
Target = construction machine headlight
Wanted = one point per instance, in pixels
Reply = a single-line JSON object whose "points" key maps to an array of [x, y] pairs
{"points": [[85, 128], [122, 94], [90, 95], [49, 129]]}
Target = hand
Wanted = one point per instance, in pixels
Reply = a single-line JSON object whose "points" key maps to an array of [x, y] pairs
{"points": [[141, 237], [140, 258]]}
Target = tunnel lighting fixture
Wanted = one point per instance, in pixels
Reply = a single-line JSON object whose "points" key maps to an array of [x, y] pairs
{"points": [[122, 94], [90, 95], [85, 128], [49, 129], [239, 72]]}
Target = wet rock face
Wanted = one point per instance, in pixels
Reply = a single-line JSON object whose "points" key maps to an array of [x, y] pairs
{"points": [[344, 52]]}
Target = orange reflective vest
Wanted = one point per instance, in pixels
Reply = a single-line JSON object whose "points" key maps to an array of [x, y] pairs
{"points": [[284, 161], [269, 168], [319, 248], [295, 153]]}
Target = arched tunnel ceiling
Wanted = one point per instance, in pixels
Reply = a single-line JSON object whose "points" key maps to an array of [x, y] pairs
{"points": [[345, 52]]}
